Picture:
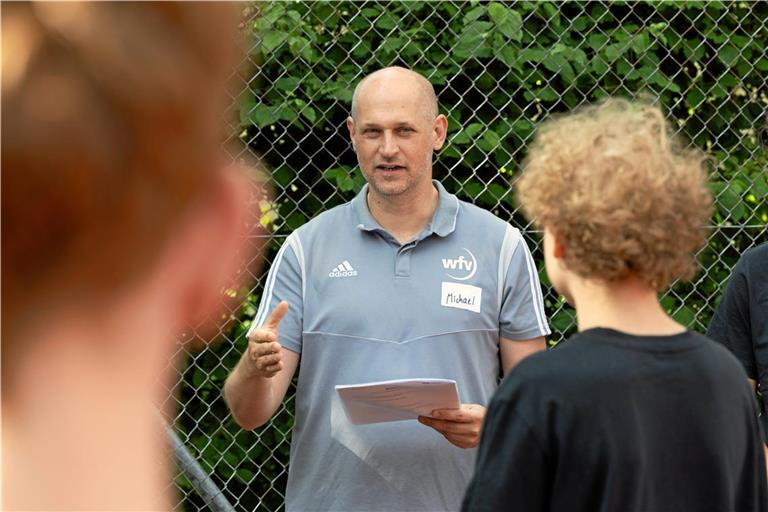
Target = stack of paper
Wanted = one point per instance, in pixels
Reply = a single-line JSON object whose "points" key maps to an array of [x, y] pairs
{"points": [[395, 400]]}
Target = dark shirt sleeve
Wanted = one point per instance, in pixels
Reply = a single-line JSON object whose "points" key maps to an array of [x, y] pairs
{"points": [[740, 321], [510, 473], [731, 324]]}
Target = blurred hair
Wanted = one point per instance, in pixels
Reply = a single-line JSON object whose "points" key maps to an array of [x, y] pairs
{"points": [[112, 126], [620, 191]]}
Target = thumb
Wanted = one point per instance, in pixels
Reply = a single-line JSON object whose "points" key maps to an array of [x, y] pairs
{"points": [[277, 314]]}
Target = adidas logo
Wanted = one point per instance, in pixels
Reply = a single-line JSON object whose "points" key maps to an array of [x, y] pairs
{"points": [[343, 270]]}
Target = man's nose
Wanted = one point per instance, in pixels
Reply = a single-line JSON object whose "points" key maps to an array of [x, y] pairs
{"points": [[388, 146]]}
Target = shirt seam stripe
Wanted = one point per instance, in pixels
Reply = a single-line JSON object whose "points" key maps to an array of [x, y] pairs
{"points": [[398, 342], [536, 297], [505, 257], [269, 288], [299, 250]]}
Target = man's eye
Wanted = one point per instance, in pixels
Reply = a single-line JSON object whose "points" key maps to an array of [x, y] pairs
{"points": [[370, 131], [405, 130]]}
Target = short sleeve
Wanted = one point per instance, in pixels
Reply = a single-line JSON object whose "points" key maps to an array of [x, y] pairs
{"points": [[511, 467], [285, 281], [730, 324], [521, 315]]}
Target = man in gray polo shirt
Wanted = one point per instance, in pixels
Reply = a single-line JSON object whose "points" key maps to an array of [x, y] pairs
{"points": [[404, 281]]}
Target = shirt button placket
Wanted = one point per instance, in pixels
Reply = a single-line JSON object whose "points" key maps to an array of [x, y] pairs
{"points": [[403, 261]]}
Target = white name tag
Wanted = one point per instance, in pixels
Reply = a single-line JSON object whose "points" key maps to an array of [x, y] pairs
{"points": [[462, 296]]}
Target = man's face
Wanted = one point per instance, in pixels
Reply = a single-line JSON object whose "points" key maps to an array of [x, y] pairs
{"points": [[394, 136]]}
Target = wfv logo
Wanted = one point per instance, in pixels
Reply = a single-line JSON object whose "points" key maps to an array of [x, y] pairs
{"points": [[466, 267], [461, 263]]}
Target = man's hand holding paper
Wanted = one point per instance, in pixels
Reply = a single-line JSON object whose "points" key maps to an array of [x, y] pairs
{"points": [[434, 402], [462, 427], [397, 400]]}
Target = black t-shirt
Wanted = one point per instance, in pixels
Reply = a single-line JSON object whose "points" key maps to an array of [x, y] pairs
{"points": [[740, 321], [615, 422]]}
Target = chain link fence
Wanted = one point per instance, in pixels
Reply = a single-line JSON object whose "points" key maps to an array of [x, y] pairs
{"points": [[498, 68]]}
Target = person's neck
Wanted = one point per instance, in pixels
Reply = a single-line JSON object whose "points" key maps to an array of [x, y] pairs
{"points": [[629, 306], [79, 420], [406, 215]]}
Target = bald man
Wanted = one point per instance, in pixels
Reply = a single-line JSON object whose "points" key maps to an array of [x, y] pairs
{"points": [[404, 281]]}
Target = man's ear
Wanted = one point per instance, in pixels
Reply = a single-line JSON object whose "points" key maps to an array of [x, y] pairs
{"points": [[351, 128], [440, 129]]}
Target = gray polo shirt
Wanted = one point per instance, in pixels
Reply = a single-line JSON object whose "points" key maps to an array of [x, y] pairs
{"points": [[365, 308]]}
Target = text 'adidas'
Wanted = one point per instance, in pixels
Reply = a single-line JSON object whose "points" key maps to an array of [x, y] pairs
{"points": [[343, 270]]}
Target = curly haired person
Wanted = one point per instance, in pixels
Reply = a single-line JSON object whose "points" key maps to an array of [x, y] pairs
{"points": [[635, 412]]}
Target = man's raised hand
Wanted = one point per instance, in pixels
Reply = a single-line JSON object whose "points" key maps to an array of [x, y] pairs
{"points": [[265, 358]]}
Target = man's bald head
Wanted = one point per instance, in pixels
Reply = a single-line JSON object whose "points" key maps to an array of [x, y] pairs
{"points": [[378, 81]]}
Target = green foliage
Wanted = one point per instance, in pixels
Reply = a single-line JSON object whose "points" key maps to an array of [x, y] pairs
{"points": [[498, 68]]}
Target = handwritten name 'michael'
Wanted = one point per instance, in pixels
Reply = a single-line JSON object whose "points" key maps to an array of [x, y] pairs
{"points": [[457, 298]]}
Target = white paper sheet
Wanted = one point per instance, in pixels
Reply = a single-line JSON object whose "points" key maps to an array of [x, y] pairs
{"points": [[396, 400]]}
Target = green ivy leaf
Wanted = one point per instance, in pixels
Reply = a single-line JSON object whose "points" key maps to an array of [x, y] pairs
{"points": [[283, 176], [532, 55], [760, 185], [247, 105], [199, 378], [263, 115], [597, 41], [508, 21], [287, 83], [694, 50], [684, 315], [310, 114], [497, 192], [600, 66], [386, 21], [640, 43], [564, 320], [523, 128], [450, 151], [271, 40], [474, 14], [294, 221], [547, 94], [274, 12], [471, 42], [695, 97], [244, 475], [466, 135], [473, 189], [489, 140], [508, 55], [728, 55]]}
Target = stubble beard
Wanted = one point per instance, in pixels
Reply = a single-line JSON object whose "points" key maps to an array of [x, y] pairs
{"points": [[389, 188], [398, 187]]}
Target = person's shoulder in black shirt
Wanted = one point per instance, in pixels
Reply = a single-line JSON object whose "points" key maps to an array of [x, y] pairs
{"points": [[634, 413], [740, 321], [612, 421]]}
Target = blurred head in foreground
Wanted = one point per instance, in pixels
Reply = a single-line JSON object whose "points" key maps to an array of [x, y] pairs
{"points": [[618, 196], [120, 219]]}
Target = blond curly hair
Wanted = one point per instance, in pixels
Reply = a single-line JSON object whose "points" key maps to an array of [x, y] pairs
{"points": [[620, 190]]}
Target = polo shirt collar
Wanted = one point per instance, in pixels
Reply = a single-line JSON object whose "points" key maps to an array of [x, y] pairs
{"points": [[443, 221]]}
